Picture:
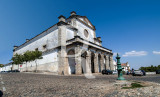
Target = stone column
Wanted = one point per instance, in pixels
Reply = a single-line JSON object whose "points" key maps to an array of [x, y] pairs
{"points": [[63, 62], [62, 55], [96, 63], [107, 62], [102, 62], [111, 62], [88, 62], [78, 66]]}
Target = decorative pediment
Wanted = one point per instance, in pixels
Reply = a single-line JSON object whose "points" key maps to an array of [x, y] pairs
{"points": [[86, 21]]}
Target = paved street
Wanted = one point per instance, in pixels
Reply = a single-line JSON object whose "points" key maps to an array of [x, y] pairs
{"points": [[40, 85]]}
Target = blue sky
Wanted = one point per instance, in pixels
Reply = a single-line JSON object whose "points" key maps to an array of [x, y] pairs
{"points": [[129, 27]]}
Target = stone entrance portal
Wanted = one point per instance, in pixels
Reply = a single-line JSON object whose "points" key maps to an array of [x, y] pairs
{"points": [[83, 62], [71, 62], [92, 62], [99, 62]]}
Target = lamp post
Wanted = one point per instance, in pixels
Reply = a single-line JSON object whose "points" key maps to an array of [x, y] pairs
{"points": [[119, 68]]}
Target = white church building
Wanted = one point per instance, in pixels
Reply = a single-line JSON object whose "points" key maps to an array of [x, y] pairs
{"points": [[69, 47]]}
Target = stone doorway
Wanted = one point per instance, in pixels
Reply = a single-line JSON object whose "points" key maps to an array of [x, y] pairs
{"points": [[71, 61], [92, 62], [99, 63], [83, 62]]}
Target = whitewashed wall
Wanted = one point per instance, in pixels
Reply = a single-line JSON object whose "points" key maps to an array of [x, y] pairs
{"points": [[7, 68], [49, 63], [50, 39], [80, 26], [70, 34], [82, 19]]}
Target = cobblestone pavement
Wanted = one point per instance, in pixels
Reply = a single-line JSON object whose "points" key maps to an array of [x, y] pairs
{"points": [[40, 85], [151, 78]]}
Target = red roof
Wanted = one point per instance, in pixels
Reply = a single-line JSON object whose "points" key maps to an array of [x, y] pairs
{"points": [[123, 64]]}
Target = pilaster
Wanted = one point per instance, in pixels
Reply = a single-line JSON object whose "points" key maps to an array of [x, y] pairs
{"points": [[107, 62], [111, 62], [96, 63], [88, 62], [62, 55], [102, 62], [78, 66]]}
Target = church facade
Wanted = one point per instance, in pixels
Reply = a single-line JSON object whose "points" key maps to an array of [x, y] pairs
{"points": [[69, 47]]}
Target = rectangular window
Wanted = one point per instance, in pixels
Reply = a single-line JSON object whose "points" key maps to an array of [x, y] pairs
{"points": [[44, 46], [36, 49]]}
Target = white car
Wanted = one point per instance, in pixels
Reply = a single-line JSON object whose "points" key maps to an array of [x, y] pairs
{"points": [[115, 72], [137, 72]]}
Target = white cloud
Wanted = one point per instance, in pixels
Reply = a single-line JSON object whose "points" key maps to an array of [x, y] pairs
{"points": [[156, 52], [135, 53]]}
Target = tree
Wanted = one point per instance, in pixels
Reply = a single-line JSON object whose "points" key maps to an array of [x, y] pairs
{"points": [[158, 66], [17, 59], [37, 55], [1, 65], [27, 57], [150, 68]]}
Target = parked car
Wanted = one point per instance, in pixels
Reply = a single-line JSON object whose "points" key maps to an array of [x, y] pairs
{"points": [[3, 71], [115, 72], [158, 71], [137, 72], [15, 70], [10, 71], [107, 72]]}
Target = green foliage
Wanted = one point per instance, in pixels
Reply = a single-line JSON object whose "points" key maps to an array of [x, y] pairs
{"points": [[133, 85], [37, 55], [26, 57], [17, 59], [123, 72], [150, 68], [1, 65]]}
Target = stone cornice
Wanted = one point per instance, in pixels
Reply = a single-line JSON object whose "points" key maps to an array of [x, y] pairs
{"points": [[62, 23], [80, 40], [98, 40]]}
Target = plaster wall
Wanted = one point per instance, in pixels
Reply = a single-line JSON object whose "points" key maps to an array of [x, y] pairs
{"points": [[49, 39], [7, 68], [82, 19], [81, 27], [70, 34], [48, 63]]}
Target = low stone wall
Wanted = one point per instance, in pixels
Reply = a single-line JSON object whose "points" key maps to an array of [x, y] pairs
{"points": [[150, 73]]}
